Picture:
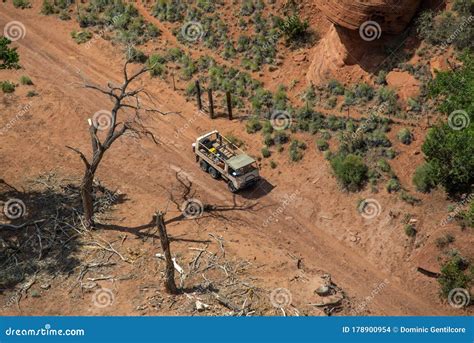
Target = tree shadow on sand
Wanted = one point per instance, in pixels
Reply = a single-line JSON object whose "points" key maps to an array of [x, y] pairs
{"points": [[41, 228]]}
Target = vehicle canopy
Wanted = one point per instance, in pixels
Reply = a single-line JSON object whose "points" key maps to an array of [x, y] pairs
{"points": [[239, 161]]}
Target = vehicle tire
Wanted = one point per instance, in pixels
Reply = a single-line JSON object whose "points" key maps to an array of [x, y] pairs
{"points": [[204, 165], [214, 173], [231, 187]]}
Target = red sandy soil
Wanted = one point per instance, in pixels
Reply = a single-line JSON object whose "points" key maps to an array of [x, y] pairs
{"points": [[322, 226]]}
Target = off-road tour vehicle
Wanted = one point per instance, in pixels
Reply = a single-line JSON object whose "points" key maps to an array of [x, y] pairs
{"points": [[222, 159]]}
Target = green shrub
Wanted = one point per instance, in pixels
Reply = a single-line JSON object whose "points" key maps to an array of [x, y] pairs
{"points": [[442, 242], [21, 4], [265, 152], [267, 127], [280, 137], [453, 275], [408, 198], [350, 170], [135, 55], [447, 148], [9, 58], [296, 148], [156, 64], [335, 87], [405, 136], [81, 37], [410, 230], [25, 80], [268, 140], [7, 87], [31, 94], [388, 98], [253, 125], [425, 178], [322, 145], [393, 185], [47, 8], [293, 28], [273, 164], [384, 166], [364, 91]]}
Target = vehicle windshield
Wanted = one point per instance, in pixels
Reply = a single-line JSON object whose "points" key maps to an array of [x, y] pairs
{"points": [[244, 170]]}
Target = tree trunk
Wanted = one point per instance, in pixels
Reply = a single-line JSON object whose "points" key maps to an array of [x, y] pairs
{"points": [[170, 285], [87, 199]]}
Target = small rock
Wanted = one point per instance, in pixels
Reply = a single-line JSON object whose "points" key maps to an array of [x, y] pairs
{"points": [[200, 306], [45, 286], [322, 290], [299, 58]]}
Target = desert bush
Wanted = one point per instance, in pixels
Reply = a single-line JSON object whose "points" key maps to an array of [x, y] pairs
{"points": [[393, 185], [31, 94], [266, 152], [9, 57], [405, 136], [384, 166], [335, 87], [453, 275], [296, 150], [322, 145], [444, 241], [294, 28], [25, 80], [134, 55], [21, 4], [388, 98], [81, 37], [253, 125], [280, 137], [273, 164], [364, 92], [414, 105], [169, 10], [156, 63], [410, 230], [7, 86], [381, 78], [408, 198], [350, 170], [425, 178]]}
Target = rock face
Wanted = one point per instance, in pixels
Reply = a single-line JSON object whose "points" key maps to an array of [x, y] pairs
{"points": [[344, 45], [392, 15]]}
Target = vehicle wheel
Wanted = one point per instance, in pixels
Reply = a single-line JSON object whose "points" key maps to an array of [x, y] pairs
{"points": [[214, 173], [204, 166], [231, 187]]}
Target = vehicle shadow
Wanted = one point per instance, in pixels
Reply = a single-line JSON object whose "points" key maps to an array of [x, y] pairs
{"points": [[259, 190]]}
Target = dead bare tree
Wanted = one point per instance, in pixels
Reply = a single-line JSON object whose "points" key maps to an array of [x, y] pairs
{"points": [[170, 284], [122, 99]]}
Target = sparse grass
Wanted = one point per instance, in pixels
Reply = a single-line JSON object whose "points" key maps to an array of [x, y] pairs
{"points": [[444, 241], [7, 86], [405, 136], [253, 125], [25, 80], [21, 4], [81, 37], [410, 230], [266, 152]]}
